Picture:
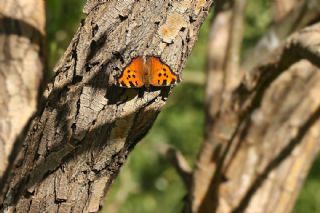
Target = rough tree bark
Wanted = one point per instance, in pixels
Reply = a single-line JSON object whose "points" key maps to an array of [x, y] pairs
{"points": [[276, 138], [86, 126], [262, 136], [22, 33]]}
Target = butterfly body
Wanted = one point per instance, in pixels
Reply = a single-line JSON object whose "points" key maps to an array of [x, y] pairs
{"points": [[141, 73]]}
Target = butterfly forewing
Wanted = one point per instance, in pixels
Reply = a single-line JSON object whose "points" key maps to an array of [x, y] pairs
{"points": [[133, 75], [160, 74]]}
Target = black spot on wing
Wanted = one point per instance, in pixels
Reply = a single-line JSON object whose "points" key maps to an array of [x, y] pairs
{"points": [[164, 83], [131, 84], [122, 84]]}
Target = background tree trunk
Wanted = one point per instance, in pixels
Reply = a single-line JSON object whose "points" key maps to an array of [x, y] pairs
{"points": [[22, 24], [261, 135], [86, 127]]}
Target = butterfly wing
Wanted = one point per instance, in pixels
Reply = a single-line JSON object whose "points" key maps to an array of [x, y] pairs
{"points": [[133, 75], [161, 74]]}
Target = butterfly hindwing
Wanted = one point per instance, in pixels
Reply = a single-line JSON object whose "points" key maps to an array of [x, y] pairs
{"points": [[133, 74], [160, 74]]}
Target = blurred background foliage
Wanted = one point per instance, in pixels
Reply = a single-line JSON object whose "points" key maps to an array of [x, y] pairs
{"points": [[148, 183]]}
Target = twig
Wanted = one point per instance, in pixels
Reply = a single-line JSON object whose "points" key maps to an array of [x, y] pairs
{"points": [[232, 62], [176, 158]]}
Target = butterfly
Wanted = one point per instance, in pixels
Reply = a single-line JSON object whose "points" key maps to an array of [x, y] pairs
{"points": [[139, 73]]}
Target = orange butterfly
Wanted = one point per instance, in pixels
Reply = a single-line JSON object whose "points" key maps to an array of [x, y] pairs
{"points": [[154, 72]]}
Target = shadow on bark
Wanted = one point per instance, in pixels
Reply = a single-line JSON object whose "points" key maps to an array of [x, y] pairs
{"points": [[241, 130], [270, 72], [17, 27], [11, 26], [286, 151], [98, 137], [277, 161]]}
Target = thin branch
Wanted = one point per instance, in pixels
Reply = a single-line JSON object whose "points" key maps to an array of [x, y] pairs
{"points": [[232, 61], [176, 158]]}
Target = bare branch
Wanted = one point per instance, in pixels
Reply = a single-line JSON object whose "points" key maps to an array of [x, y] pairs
{"points": [[179, 162], [301, 45], [302, 14], [232, 61]]}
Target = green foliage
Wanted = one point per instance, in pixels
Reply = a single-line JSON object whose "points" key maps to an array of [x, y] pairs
{"points": [[147, 182], [63, 18], [257, 19], [309, 199]]}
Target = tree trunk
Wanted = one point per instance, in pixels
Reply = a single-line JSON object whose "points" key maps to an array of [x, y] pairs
{"points": [[22, 25], [86, 126], [272, 153], [261, 135]]}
